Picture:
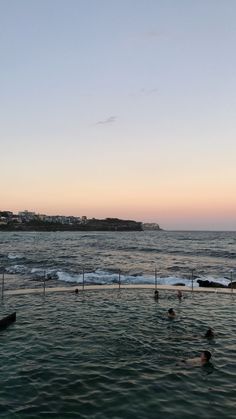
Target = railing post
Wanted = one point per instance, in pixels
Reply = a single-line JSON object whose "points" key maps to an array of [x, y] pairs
{"points": [[3, 281], [83, 279], [192, 270], [231, 280], [119, 278], [155, 278], [44, 283]]}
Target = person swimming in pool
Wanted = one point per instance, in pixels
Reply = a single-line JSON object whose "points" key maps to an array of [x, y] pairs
{"points": [[156, 295], [209, 334], [179, 295], [199, 361], [76, 291], [171, 313]]}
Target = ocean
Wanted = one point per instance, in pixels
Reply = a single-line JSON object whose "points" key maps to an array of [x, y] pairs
{"points": [[62, 257]]}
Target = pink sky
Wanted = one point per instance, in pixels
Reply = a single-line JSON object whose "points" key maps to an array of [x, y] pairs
{"points": [[120, 111]]}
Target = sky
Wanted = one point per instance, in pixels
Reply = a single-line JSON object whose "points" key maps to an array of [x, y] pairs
{"points": [[120, 108]]}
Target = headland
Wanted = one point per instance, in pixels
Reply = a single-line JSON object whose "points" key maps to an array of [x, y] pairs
{"points": [[31, 221]]}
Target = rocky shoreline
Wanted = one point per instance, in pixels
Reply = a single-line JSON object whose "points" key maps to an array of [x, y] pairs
{"points": [[213, 284], [108, 224]]}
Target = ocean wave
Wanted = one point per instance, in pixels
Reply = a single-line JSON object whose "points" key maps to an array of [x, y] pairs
{"points": [[140, 249], [13, 256], [105, 277], [223, 254], [17, 269], [41, 273]]}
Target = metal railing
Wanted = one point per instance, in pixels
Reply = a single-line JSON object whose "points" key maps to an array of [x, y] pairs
{"points": [[192, 276], [3, 281]]}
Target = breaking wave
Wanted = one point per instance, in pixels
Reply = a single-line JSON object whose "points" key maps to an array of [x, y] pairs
{"points": [[175, 255], [102, 277], [13, 256]]}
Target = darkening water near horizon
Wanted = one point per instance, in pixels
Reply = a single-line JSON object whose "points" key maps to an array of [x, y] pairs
{"points": [[61, 256]]}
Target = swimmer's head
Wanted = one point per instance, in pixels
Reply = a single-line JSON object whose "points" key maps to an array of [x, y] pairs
{"points": [[205, 356], [209, 333], [76, 291], [171, 313]]}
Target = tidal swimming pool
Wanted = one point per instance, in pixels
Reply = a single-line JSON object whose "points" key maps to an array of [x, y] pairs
{"points": [[114, 354]]}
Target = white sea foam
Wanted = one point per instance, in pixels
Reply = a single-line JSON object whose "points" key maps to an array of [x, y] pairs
{"points": [[66, 277], [13, 256], [17, 269], [104, 277], [44, 273]]}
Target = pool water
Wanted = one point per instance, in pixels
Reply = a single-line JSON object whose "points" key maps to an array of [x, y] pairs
{"points": [[115, 354]]}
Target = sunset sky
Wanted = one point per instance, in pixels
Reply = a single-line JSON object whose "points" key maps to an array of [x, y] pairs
{"points": [[120, 108]]}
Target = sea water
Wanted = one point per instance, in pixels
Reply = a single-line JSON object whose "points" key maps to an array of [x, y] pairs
{"points": [[62, 256], [115, 354]]}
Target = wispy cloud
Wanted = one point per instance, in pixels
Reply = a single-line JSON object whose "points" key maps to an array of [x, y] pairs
{"points": [[145, 36], [144, 92], [109, 120], [152, 34], [147, 92]]}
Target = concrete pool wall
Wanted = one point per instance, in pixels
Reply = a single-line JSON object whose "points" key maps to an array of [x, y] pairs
{"points": [[80, 287]]}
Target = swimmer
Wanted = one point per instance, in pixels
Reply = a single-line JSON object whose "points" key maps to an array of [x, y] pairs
{"points": [[199, 361], [156, 295], [171, 313], [179, 294], [209, 334], [76, 291]]}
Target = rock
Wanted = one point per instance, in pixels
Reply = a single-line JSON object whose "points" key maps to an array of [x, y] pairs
{"points": [[210, 284]]}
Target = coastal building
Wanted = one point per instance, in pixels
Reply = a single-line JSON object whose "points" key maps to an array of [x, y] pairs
{"points": [[27, 216], [42, 217], [6, 214], [30, 221], [3, 221], [151, 226]]}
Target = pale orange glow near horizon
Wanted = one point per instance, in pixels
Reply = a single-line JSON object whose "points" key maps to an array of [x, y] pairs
{"points": [[145, 196], [162, 208]]}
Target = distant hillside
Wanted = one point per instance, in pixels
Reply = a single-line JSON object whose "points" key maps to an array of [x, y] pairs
{"points": [[108, 224]]}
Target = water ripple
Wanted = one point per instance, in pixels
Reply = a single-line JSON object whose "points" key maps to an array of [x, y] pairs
{"points": [[117, 358]]}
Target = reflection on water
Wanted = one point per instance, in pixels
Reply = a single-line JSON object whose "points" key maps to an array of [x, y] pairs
{"points": [[117, 355]]}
